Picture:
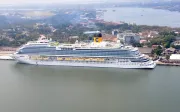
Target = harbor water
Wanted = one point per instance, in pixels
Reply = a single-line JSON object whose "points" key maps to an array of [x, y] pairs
{"points": [[29, 88], [143, 16]]}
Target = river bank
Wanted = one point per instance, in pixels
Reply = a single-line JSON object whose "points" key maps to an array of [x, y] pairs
{"points": [[167, 64]]}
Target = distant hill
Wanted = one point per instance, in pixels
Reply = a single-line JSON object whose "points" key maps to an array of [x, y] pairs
{"points": [[173, 5], [62, 19], [3, 21], [168, 5]]}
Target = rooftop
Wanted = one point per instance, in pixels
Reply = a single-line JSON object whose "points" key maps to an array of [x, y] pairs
{"points": [[91, 32], [145, 50]]}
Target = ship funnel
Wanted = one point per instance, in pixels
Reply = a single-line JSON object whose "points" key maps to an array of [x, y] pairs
{"points": [[98, 38]]}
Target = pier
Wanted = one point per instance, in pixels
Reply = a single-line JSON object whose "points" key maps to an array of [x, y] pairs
{"points": [[167, 63], [6, 55]]}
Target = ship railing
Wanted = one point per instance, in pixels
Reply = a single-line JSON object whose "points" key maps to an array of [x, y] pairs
{"points": [[91, 56]]}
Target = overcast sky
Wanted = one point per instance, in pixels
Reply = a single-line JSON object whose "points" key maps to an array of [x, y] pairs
{"points": [[70, 1]]}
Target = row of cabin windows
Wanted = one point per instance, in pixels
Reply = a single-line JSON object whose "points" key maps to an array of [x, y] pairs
{"points": [[52, 51], [86, 54], [71, 51], [42, 49], [140, 60], [101, 62], [76, 51], [92, 54]]}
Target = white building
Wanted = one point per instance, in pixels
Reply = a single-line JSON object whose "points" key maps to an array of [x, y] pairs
{"points": [[128, 38], [115, 32], [176, 43], [175, 57]]}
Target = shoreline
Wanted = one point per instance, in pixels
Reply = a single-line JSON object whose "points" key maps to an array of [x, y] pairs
{"points": [[167, 64]]}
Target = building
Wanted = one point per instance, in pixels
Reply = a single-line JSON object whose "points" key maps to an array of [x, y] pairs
{"points": [[115, 32], [149, 34], [155, 46], [145, 50], [128, 38], [177, 43], [88, 24], [177, 38], [108, 37], [74, 37], [170, 51], [175, 57], [153, 34], [8, 48], [92, 32], [143, 41]]}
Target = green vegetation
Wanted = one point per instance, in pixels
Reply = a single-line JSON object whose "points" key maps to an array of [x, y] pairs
{"points": [[167, 57], [135, 28], [122, 27], [165, 39], [18, 39], [158, 51], [64, 30], [4, 42]]}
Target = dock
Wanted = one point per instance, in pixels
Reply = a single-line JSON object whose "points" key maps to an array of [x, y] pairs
{"points": [[167, 64], [6, 55], [6, 58]]}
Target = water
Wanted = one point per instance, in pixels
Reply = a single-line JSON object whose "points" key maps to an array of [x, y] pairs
{"points": [[143, 16], [29, 88]]}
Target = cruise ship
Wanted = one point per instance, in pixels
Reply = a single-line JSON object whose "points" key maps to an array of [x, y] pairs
{"points": [[97, 53]]}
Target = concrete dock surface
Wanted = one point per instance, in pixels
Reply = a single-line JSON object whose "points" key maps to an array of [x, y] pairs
{"points": [[6, 55]]}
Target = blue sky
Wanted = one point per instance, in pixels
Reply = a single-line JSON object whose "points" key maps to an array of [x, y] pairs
{"points": [[71, 1]]}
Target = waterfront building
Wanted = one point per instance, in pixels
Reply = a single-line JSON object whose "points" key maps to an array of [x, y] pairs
{"points": [[175, 57], [115, 32], [128, 38], [170, 51], [145, 50]]}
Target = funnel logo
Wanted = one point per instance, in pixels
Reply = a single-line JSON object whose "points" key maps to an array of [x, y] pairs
{"points": [[97, 40]]}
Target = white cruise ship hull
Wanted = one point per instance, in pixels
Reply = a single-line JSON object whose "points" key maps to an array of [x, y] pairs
{"points": [[149, 65]]}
